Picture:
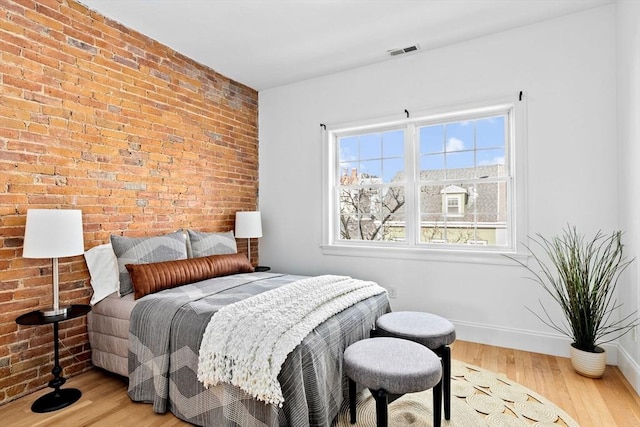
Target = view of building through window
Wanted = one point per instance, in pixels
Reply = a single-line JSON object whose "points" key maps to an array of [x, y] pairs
{"points": [[453, 176]]}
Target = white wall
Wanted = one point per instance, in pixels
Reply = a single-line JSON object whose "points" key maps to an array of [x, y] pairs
{"points": [[628, 64], [566, 66]]}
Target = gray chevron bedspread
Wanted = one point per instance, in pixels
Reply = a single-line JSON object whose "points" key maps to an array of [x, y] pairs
{"points": [[165, 333]]}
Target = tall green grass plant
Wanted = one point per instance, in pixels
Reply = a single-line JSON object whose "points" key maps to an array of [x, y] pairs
{"points": [[581, 275]]}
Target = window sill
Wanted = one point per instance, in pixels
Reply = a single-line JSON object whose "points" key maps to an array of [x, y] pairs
{"points": [[496, 257]]}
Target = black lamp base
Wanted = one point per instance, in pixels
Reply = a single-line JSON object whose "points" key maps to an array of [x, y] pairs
{"points": [[55, 400]]}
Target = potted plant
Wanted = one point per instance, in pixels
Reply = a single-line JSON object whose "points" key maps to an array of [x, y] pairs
{"points": [[581, 275]]}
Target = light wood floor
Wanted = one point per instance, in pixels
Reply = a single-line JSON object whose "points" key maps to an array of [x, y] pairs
{"points": [[606, 402]]}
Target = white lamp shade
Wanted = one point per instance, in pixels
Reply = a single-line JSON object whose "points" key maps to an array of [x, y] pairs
{"points": [[248, 225], [53, 233]]}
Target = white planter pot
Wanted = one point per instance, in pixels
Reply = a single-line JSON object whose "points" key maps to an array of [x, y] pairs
{"points": [[589, 364]]}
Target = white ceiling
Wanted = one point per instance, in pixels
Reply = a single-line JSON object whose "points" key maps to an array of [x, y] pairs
{"points": [[268, 43]]}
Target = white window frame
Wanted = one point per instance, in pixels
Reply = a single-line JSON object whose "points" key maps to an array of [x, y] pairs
{"points": [[412, 249]]}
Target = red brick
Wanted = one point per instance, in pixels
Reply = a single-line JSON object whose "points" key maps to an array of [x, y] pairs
{"points": [[98, 117]]}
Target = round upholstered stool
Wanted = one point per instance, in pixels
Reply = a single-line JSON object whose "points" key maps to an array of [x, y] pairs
{"points": [[389, 368], [433, 332]]}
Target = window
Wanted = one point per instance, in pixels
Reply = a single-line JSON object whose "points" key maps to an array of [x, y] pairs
{"points": [[463, 166], [371, 188], [440, 181], [453, 206], [453, 201]]}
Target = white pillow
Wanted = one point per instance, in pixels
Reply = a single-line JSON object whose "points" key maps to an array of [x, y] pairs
{"points": [[103, 268]]}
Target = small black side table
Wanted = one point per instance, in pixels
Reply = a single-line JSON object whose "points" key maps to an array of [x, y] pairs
{"points": [[59, 398]]}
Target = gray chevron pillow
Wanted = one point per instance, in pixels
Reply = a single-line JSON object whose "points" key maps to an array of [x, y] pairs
{"points": [[205, 244], [141, 250]]}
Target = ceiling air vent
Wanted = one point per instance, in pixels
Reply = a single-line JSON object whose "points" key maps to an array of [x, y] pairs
{"points": [[402, 51]]}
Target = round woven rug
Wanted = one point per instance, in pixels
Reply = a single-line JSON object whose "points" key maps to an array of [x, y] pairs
{"points": [[479, 398]]}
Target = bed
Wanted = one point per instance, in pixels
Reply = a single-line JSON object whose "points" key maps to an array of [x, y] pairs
{"points": [[154, 339]]}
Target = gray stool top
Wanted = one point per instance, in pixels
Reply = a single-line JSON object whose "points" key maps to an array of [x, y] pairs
{"points": [[393, 364], [427, 329]]}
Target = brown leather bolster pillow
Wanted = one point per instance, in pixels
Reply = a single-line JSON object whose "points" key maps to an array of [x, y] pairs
{"points": [[156, 276]]}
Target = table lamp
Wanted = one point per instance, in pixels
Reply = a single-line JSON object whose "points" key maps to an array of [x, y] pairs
{"points": [[248, 225], [53, 233]]}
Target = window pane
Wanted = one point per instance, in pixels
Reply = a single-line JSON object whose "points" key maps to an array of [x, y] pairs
{"points": [[371, 146], [349, 203], [372, 214], [349, 227], [463, 159], [459, 136], [491, 157], [348, 174], [369, 202], [459, 234], [432, 229], [492, 202], [358, 208], [348, 149], [371, 208], [393, 199], [431, 200], [432, 162], [370, 172], [490, 132], [393, 170], [393, 219], [431, 139], [393, 144]]}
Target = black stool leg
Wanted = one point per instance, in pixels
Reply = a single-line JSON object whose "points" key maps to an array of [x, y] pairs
{"points": [[381, 407], [446, 383], [352, 401], [445, 355], [437, 403]]}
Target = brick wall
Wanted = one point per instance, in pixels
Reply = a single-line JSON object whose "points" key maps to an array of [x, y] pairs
{"points": [[98, 117]]}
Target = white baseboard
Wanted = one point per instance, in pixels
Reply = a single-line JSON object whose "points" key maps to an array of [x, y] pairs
{"points": [[520, 339], [629, 368]]}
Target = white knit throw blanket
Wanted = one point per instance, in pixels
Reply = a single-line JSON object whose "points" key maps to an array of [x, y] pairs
{"points": [[247, 342]]}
